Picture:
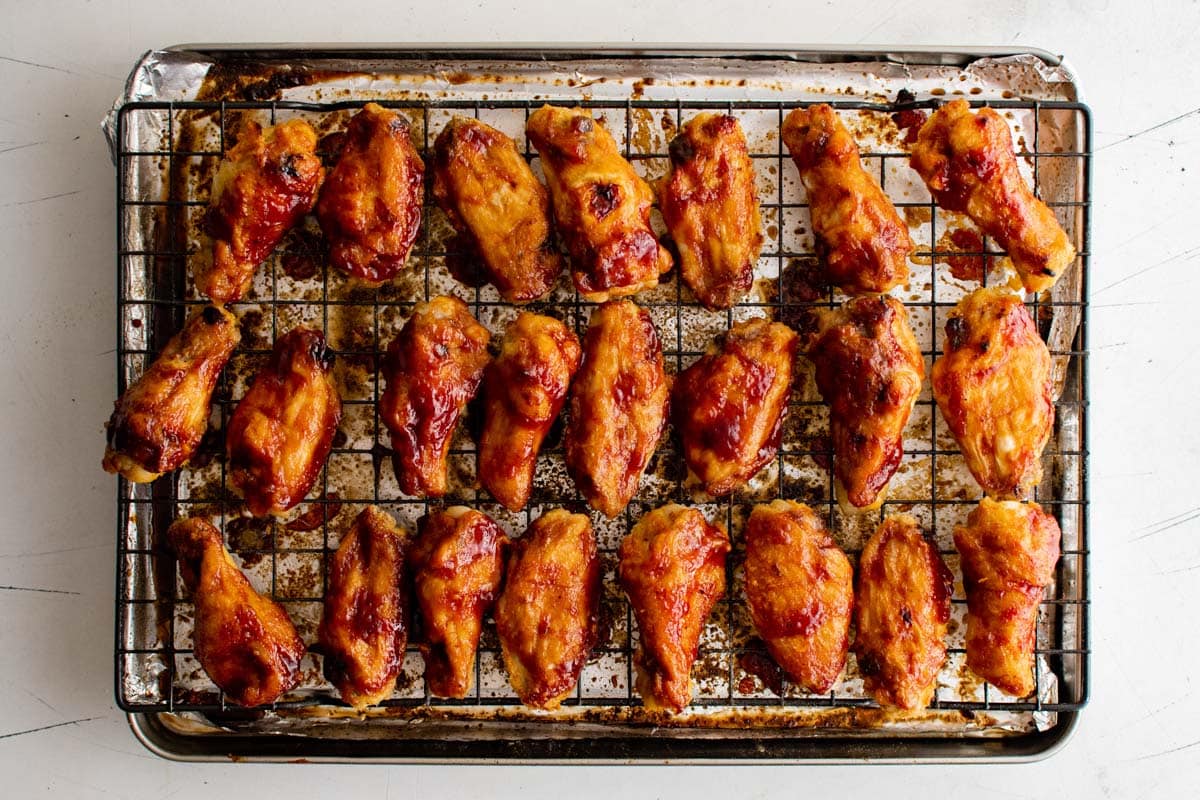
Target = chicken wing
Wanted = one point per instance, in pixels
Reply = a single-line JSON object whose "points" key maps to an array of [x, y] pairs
{"points": [[619, 404], [1009, 551], [457, 562], [601, 205], [282, 430], [710, 207], [547, 616], [157, 424], [902, 605], [264, 186], [967, 161], [869, 369], [524, 388], [673, 569], [729, 405], [432, 370], [244, 640], [364, 627], [370, 208], [800, 591], [492, 197], [862, 241], [993, 385]]}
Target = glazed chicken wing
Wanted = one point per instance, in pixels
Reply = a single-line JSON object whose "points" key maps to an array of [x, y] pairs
{"points": [[158, 422], [993, 385], [1009, 551], [370, 208], [524, 388], [282, 430], [457, 562], [800, 591], [601, 205], [618, 409], [967, 161], [264, 186], [364, 627], [869, 369], [673, 569], [711, 208], [729, 405], [902, 605], [547, 617], [432, 370], [493, 198], [863, 243], [244, 640]]}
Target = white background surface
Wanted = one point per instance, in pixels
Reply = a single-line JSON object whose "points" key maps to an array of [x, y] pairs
{"points": [[61, 65]]}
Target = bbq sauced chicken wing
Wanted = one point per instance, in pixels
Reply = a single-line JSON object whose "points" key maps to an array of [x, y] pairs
{"points": [[524, 388], [673, 569], [711, 208], [492, 197], [457, 563], [800, 591], [432, 370], [967, 161], [370, 208], [863, 243], [1009, 551], [244, 640], [547, 617], [264, 186], [729, 405], [157, 424], [364, 627], [869, 369], [282, 430], [601, 206], [902, 605], [993, 385], [618, 409]]}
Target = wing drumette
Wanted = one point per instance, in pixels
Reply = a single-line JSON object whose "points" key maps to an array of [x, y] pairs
{"points": [[244, 640], [158, 422], [673, 569], [1009, 551], [993, 385]]}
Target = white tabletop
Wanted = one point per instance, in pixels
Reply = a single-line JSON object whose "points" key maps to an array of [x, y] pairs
{"points": [[62, 64]]}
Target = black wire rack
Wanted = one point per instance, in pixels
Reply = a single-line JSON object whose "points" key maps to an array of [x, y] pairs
{"points": [[155, 669]]}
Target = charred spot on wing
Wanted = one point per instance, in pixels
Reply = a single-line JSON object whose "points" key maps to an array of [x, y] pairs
{"points": [[681, 150], [956, 332], [605, 198], [212, 315]]}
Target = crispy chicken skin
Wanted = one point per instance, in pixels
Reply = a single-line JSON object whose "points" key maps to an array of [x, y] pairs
{"points": [[862, 240], [548, 614], [601, 205], [729, 405], [711, 209], [457, 563], [1009, 551], [619, 404], [364, 627], [524, 388], [157, 424], [282, 430], [967, 161], [902, 605], [869, 369], [244, 640], [432, 370], [673, 569], [370, 208], [800, 591], [264, 186], [492, 196], [993, 385]]}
